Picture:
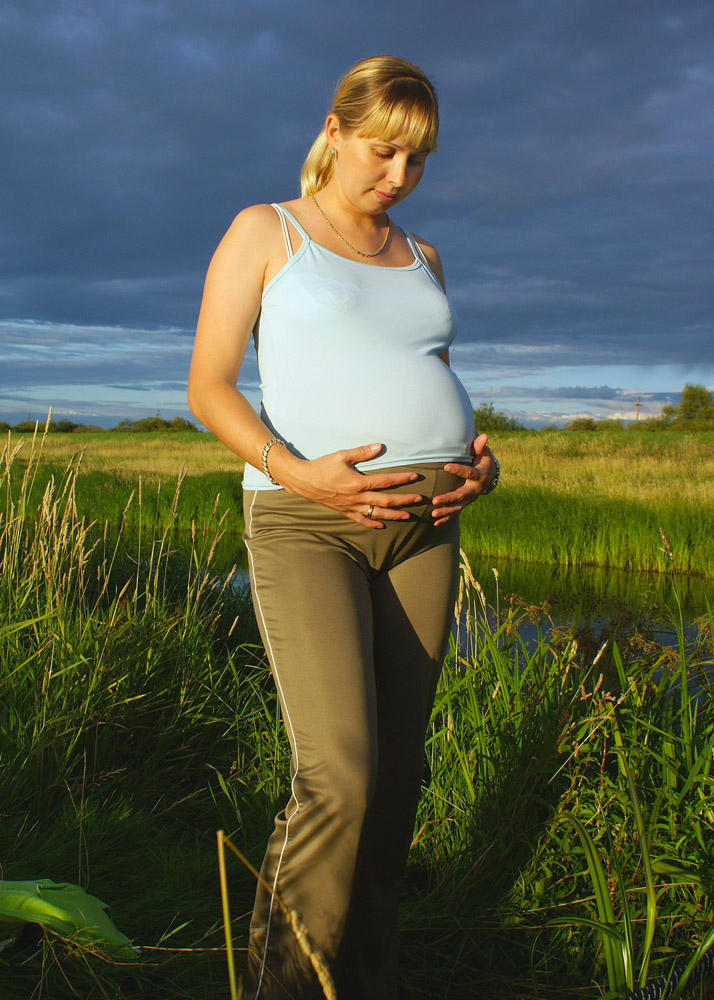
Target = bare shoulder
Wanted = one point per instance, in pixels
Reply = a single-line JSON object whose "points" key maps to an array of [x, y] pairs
{"points": [[432, 256], [259, 223], [249, 245]]}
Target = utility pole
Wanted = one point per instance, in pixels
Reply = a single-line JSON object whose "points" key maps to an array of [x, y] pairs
{"points": [[637, 411]]}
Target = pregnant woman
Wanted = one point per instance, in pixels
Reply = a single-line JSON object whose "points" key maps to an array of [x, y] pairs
{"points": [[362, 457]]}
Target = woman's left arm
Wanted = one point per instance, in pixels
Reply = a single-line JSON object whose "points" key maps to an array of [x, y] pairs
{"points": [[478, 477]]}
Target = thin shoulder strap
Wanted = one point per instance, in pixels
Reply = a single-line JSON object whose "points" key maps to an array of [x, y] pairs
{"points": [[420, 255], [286, 234], [284, 217], [418, 252]]}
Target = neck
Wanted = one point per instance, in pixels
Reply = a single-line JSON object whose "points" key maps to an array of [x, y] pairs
{"points": [[342, 212], [362, 234]]}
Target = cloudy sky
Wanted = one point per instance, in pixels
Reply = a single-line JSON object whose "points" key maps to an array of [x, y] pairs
{"points": [[571, 198]]}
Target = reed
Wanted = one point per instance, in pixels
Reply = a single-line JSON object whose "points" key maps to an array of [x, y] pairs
{"points": [[569, 812], [537, 524], [138, 717], [118, 668], [600, 499], [567, 498]]}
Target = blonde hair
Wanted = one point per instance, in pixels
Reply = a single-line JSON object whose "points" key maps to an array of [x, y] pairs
{"points": [[381, 97]]}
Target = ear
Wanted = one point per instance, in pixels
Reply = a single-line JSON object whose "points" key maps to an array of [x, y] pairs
{"points": [[332, 130]]}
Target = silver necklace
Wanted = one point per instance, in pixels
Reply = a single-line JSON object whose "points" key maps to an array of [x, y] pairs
{"points": [[347, 242]]}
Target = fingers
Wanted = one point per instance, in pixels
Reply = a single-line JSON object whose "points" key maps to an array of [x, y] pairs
{"points": [[376, 481], [459, 496], [448, 504], [361, 454], [366, 521], [464, 494], [377, 511], [390, 499], [479, 445], [443, 514], [386, 482], [374, 518]]}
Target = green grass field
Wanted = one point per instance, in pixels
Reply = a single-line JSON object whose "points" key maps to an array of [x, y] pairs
{"points": [[569, 785], [567, 498]]}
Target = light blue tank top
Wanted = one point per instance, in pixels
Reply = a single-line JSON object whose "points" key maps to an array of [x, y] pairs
{"points": [[348, 355]]}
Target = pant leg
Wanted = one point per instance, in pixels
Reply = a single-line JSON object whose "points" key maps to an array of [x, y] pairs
{"points": [[413, 612], [313, 608]]}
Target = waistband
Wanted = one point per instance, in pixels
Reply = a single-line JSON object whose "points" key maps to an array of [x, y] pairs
{"points": [[433, 480], [276, 520]]}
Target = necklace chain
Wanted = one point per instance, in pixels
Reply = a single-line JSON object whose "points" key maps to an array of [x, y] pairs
{"points": [[347, 242]]}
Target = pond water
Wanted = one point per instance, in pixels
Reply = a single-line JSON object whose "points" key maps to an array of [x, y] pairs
{"points": [[596, 603], [592, 589], [564, 594]]}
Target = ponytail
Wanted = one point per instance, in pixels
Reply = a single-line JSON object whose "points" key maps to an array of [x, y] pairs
{"points": [[317, 168]]}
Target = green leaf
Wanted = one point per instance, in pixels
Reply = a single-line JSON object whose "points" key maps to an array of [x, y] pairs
{"points": [[64, 909], [649, 876], [614, 955]]}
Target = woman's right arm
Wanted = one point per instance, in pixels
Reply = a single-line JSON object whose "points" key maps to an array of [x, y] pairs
{"points": [[229, 310], [251, 252]]}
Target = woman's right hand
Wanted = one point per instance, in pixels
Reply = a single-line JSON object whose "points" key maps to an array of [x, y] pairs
{"points": [[333, 481]]}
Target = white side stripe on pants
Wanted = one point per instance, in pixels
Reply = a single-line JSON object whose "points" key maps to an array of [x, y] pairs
{"points": [[293, 796]]}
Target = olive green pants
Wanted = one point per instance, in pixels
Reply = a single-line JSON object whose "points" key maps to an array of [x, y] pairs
{"points": [[355, 622]]}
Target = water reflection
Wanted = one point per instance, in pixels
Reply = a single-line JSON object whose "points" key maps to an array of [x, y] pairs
{"points": [[563, 594], [569, 588]]}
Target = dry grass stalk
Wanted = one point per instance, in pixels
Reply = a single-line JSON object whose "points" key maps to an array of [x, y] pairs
{"points": [[309, 950]]}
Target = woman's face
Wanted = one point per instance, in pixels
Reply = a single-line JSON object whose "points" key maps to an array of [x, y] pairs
{"points": [[375, 174]]}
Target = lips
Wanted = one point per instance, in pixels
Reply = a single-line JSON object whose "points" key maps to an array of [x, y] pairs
{"points": [[386, 198]]}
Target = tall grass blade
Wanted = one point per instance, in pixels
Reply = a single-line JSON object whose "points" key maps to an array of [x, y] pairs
{"points": [[220, 837], [647, 865], [612, 942], [683, 984]]}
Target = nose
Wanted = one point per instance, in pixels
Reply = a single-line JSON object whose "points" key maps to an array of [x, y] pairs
{"points": [[397, 171]]}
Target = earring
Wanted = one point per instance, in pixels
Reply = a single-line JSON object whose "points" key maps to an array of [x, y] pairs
{"points": [[332, 153]]}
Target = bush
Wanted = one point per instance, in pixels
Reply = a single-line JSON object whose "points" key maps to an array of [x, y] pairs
{"points": [[582, 424], [694, 413], [488, 420], [157, 423], [181, 424]]}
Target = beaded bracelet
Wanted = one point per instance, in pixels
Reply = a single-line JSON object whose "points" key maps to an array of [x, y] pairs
{"points": [[264, 459], [494, 484]]}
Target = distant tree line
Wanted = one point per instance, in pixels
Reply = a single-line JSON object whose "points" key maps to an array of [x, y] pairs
{"points": [[695, 412], [70, 427]]}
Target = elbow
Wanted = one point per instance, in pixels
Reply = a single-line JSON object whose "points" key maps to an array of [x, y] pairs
{"points": [[206, 397], [195, 399]]}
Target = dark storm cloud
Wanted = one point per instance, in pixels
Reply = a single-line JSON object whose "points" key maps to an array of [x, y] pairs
{"points": [[571, 200], [31, 354]]}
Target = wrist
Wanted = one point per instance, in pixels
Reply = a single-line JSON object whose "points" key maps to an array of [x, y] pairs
{"points": [[494, 482], [282, 465], [264, 456]]}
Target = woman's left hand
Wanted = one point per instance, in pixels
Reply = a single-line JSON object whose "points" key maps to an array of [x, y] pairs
{"points": [[477, 477]]}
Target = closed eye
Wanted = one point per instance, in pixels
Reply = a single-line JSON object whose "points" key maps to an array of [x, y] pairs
{"points": [[414, 162]]}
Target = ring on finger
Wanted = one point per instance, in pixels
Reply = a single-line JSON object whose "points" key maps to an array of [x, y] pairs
{"points": [[370, 510]]}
